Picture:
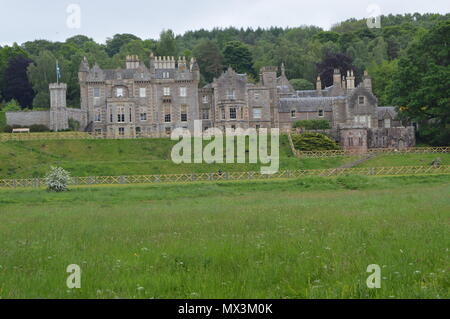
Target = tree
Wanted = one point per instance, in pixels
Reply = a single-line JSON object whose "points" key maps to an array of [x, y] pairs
{"points": [[114, 45], [421, 87], [382, 79], [17, 85], [333, 61], [167, 45], [40, 74], [209, 58], [238, 56], [301, 84]]}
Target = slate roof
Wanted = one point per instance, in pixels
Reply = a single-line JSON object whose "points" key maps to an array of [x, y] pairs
{"points": [[308, 104]]}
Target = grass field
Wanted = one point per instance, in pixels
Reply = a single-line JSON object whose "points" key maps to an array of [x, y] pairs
{"points": [[24, 159], [305, 238]]}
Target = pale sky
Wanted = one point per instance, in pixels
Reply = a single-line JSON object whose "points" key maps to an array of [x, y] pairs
{"points": [[26, 20]]}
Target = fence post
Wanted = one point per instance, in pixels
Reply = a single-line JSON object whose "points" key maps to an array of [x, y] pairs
{"points": [[122, 180]]}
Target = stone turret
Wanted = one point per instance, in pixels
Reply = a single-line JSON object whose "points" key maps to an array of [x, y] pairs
{"points": [[268, 76], [58, 107]]}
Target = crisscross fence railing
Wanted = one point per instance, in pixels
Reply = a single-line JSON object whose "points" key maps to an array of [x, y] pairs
{"points": [[392, 151], [233, 176]]}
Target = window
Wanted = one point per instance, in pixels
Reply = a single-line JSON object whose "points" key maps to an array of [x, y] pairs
{"points": [[98, 131], [131, 115], [143, 115], [258, 126], [121, 131], [233, 115], [361, 100], [142, 92], [256, 96], [222, 111], [111, 116], [205, 99], [184, 116], [96, 92], [121, 115], [166, 75], [387, 123], [293, 114], [233, 127], [350, 141], [168, 131], [183, 92], [231, 94], [205, 114], [98, 116], [360, 141], [320, 113], [138, 130], [256, 113], [119, 92], [166, 91], [167, 115]]}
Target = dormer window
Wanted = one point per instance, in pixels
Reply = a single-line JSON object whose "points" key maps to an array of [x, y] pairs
{"points": [[320, 113], [119, 92], [361, 100], [205, 99]]}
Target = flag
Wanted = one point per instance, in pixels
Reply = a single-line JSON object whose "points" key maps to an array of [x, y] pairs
{"points": [[58, 72]]}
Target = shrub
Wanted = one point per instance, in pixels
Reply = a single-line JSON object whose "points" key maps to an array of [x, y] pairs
{"points": [[313, 124], [57, 179], [74, 125], [12, 106], [9, 128], [2, 121], [313, 142], [39, 128]]}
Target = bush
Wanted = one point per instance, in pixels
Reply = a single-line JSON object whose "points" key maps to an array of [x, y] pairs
{"points": [[12, 106], [313, 124], [2, 121], [35, 128], [313, 142], [57, 179], [74, 125]]}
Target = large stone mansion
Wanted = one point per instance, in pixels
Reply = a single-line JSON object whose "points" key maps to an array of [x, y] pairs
{"points": [[153, 101]]}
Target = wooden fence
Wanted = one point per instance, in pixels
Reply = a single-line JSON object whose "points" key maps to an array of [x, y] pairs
{"points": [[391, 151], [233, 176]]}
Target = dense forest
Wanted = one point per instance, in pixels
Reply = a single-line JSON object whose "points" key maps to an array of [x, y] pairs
{"points": [[408, 59]]}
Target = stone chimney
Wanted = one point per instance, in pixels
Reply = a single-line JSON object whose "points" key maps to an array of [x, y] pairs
{"points": [[319, 85], [132, 62], [367, 81], [337, 78], [350, 80]]}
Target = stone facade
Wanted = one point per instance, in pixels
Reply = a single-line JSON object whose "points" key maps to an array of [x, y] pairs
{"points": [[153, 101]]}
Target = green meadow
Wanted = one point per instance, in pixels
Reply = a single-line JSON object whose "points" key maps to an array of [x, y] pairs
{"points": [[302, 238], [27, 159]]}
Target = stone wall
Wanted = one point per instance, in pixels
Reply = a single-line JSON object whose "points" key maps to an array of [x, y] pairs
{"points": [[396, 137], [28, 118]]}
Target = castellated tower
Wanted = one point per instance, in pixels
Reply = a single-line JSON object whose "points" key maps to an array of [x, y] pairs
{"points": [[58, 110]]}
